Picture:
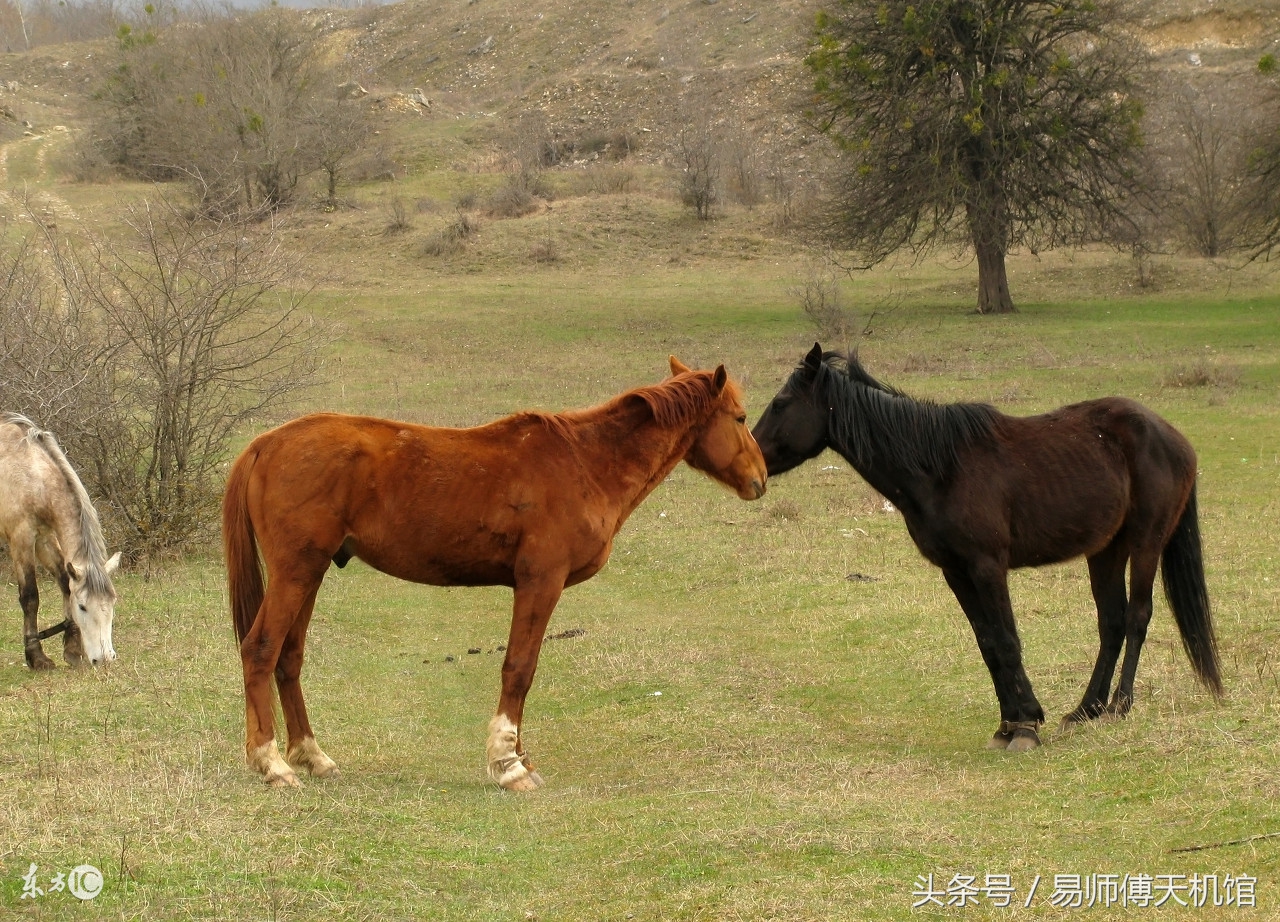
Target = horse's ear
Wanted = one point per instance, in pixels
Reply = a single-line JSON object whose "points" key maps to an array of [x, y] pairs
{"points": [[719, 379], [814, 358], [72, 573], [112, 564], [677, 367]]}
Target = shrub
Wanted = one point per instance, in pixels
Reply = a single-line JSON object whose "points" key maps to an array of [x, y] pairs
{"points": [[146, 352], [450, 238]]}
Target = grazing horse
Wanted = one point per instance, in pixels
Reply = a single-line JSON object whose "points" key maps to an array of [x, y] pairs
{"points": [[46, 517], [982, 493], [531, 501]]}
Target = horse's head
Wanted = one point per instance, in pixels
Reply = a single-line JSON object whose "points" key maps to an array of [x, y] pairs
{"points": [[723, 448], [794, 426], [91, 608]]}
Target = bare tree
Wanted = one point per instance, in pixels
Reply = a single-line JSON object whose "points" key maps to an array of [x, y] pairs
{"points": [[49, 350], [698, 160], [836, 322], [196, 326], [1208, 198], [1264, 167], [241, 108], [338, 127], [745, 160]]}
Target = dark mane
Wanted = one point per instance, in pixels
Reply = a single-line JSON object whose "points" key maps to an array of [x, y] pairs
{"points": [[873, 421]]}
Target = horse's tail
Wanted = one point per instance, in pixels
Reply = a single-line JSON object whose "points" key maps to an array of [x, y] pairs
{"points": [[1182, 566], [244, 571]]}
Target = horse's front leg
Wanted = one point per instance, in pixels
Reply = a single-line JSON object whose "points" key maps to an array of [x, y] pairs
{"points": [[72, 642], [535, 599], [983, 593], [29, 599]]}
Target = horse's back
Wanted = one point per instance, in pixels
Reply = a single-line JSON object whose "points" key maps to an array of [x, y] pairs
{"points": [[428, 504], [1061, 484], [26, 474]]}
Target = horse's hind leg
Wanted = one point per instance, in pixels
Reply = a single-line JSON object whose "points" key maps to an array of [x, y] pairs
{"points": [[29, 599], [1106, 578], [1142, 577], [302, 751], [260, 655]]}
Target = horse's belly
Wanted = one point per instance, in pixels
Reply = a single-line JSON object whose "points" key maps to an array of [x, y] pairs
{"points": [[441, 570], [1050, 535]]}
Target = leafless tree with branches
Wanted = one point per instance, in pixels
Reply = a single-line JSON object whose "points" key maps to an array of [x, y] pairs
{"points": [[175, 333]]}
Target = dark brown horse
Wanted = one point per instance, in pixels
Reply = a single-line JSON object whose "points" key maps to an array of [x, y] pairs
{"points": [[532, 501], [982, 493]]}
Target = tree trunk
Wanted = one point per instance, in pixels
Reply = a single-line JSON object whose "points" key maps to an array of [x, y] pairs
{"points": [[993, 281]]}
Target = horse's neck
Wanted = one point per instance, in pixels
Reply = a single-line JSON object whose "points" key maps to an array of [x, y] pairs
{"points": [[632, 453], [67, 529], [74, 536], [891, 479]]}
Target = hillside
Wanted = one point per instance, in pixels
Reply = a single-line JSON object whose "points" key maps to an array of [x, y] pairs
{"points": [[603, 67], [448, 80]]}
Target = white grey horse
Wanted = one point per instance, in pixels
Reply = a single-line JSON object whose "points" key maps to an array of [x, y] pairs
{"points": [[46, 517]]}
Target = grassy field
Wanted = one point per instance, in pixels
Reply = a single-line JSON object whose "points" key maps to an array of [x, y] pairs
{"points": [[764, 711], [774, 710]]}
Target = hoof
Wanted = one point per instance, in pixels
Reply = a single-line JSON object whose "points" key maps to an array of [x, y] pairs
{"points": [[282, 780], [1118, 709], [999, 740], [1082, 715], [311, 757], [512, 774], [507, 765], [1023, 741], [73, 649], [275, 770], [1015, 736], [529, 781], [40, 662]]}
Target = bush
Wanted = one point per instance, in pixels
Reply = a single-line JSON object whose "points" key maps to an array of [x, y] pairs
{"points": [[144, 354], [397, 217], [511, 200], [606, 179], [450, 238]]}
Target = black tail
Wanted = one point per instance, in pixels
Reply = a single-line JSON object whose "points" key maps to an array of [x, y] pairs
{"points": [[1182, 566]]}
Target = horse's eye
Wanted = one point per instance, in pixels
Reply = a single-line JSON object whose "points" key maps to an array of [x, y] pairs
{"points": [[84, 608], [742, 420]]}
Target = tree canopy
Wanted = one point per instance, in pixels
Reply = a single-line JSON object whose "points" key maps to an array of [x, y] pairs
{"points": [[1016, 122]]}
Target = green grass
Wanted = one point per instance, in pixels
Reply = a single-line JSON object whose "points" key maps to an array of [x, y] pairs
{"points": [[817, 743]]}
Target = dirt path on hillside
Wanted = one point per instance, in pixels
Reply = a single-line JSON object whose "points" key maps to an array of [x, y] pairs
{"points": [[44, 203]]}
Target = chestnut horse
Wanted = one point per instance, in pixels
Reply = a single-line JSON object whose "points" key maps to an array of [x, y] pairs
{"points": [[532, 501], [982, 493]]}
